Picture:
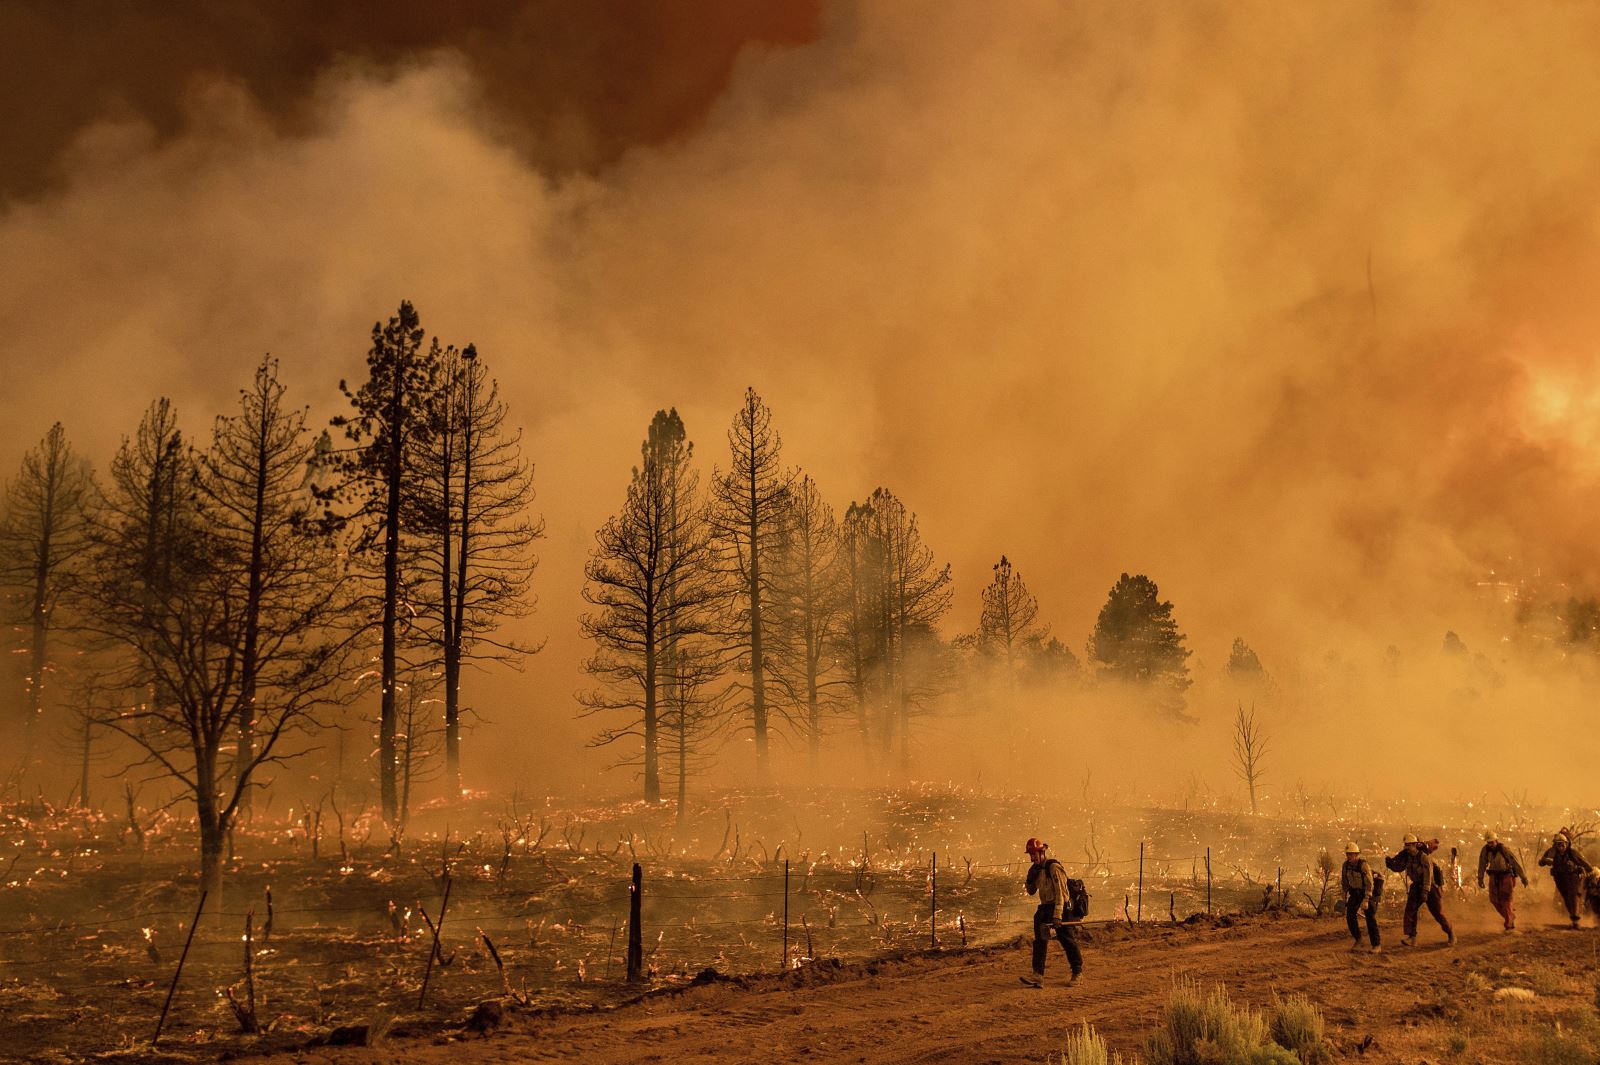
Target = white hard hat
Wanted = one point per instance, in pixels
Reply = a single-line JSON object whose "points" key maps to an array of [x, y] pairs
{"points": [[1411, 837], [1351, 848]]}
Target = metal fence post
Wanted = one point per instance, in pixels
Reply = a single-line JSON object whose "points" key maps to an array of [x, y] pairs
{"points": [[1139, 910], [1208, 881]]}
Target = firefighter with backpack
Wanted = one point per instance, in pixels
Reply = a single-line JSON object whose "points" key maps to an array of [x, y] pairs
{"points": [[1362, 890], [1568, 868], [1425, 887], [1504, 870], [1062, 904]]}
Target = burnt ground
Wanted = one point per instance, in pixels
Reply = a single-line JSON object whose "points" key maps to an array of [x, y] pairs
{"points": [[1427, 1003]]}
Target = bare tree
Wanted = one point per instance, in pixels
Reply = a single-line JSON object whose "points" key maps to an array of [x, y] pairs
{"points": [[651, 581], [475, 538], [1008, 623], [252, 489], [177, 630], [864, 634], [390, 426], [808, 634], [747, 510], [43, 533], [1249, 751], [915, 595]]}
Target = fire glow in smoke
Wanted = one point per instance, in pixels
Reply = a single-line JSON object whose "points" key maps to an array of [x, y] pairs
{"points": [[1282, 306]]}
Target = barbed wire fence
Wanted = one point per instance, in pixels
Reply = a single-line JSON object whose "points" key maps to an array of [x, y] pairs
{"points": [[533, 945]]}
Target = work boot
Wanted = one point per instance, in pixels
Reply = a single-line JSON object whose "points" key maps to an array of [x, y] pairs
{"points": [[1377, 949], [1356, 946], [1074, 979], [1408, 941], [1450, 939], [1032, 980]]}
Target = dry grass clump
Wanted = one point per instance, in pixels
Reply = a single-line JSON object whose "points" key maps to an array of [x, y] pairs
{"points": [[1205, 1028], [1085, 1047], [1298, 1025], [1200, 1027]]}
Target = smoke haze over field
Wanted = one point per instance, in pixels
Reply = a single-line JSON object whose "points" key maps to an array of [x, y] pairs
{"points": [[1290, 308]]}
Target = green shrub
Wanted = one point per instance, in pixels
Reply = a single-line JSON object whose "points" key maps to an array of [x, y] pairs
{"points": [[1085, 1047], [1206, 1028], [1457, 1044], [1297, 1025]]}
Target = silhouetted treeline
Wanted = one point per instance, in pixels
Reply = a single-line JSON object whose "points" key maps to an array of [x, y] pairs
{"points": [[207, 606], [749, 608]]}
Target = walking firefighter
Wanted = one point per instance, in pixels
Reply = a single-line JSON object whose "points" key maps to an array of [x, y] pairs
{"points": [[1500, 864], [1568, 868], [1362, 890], [1063, 904], [1424, 887]]}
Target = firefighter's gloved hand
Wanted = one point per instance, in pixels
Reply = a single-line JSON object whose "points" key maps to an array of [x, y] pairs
{"points": [[1480, 883], [1524, 881]]}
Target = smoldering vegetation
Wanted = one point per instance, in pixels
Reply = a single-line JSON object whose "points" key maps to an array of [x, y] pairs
{"points": [[820, 883], [957, 429]]}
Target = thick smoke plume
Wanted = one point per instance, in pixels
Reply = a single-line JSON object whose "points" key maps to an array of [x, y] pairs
{"points": [[1290, 307]]}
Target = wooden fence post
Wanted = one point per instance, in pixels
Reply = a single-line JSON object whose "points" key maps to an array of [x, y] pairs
{"points": [[1208, 881], [785, 966], [933, 915], [635, 931]]}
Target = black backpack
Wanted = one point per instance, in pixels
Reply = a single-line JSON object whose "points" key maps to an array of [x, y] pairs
{"points": [[1077, 900]]}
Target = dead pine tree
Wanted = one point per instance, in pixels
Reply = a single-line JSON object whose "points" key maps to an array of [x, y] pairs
{"points": [[171, 624], [469, 518], [747, 508], [809, 646], [388, 429], [914, 594], [1009, 621], [650, 580], [44, 531], [1249, 752]]}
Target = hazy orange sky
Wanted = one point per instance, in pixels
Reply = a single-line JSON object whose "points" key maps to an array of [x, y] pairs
{"points": [[1289, 306]]}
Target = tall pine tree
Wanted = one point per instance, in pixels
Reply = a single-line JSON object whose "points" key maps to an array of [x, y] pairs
{"points": [[747, 509], [1137, 642], [390, 428]]}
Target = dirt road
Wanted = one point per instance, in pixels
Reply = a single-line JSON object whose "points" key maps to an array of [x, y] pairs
{"points": [[1428, 1003]]}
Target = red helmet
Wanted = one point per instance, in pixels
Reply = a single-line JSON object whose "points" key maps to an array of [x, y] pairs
{"points": [[1035, 845]]}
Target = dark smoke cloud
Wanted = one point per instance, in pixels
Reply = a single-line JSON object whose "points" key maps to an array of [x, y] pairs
{"points": [[572, 85], [1290, 307]]}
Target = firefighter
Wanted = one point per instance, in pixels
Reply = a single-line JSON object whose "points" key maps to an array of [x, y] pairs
{"points": [[1048, 880], [1504, 870], [1568, 867], [1361, 893], [1424, 888]]}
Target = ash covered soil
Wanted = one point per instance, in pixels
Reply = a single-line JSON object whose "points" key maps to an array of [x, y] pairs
{"points": [[1425, 1003]]}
